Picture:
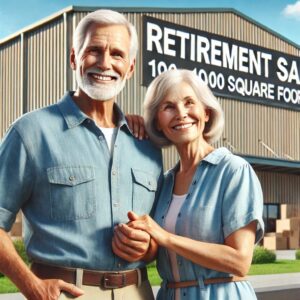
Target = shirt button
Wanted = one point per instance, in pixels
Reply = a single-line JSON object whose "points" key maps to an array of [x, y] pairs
{"points": [[72, 178], [116, 204], [114, 172]]}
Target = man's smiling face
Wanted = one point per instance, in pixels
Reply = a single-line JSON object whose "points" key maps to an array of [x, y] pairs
{"points": [[103, 63]]}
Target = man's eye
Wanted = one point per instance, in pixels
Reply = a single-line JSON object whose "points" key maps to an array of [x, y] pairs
{"points": [[117, 54], [93, 51]]}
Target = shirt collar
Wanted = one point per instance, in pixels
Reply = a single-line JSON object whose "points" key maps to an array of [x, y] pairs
{"points": [[216, 155], [213, 158], [74, 116], [70, 111]]}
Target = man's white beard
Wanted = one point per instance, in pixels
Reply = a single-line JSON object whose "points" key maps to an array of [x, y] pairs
{"points": [[100, 91]]}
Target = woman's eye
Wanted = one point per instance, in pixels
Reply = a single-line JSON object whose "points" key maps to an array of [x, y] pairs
{"points": [[167, 107], [189, 102]]}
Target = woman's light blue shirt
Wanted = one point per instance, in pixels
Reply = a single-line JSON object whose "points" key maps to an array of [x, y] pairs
{"points": [[225, 195]]}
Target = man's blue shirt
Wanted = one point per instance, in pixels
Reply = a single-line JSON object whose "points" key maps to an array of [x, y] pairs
{"points": [[55, 165]]}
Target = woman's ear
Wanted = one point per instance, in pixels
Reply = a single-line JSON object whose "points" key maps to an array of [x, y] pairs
{"points": [[207, 114], [157, 125]]}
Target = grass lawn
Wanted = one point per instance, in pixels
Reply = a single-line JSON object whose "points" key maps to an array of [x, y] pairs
{"points": [[6, 286], [280, 266]]}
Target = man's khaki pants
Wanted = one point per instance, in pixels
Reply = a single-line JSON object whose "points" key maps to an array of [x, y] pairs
{"points": [[131, 292]]}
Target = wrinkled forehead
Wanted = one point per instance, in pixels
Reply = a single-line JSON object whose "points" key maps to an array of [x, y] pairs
{"points": [[115, 35], [178, 91]]}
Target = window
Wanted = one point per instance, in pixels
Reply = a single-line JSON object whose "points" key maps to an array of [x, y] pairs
{"points": [[271, 214]]}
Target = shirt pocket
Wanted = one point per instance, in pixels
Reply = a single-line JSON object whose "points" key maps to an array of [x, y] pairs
{"points": [[144, 186], [72, 192], [204, 223]]}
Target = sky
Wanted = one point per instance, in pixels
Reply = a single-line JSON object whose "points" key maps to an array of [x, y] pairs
{"points": [[281, 16]]}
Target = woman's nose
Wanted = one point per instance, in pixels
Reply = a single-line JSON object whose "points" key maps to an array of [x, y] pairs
{"points": [[181, 113]]}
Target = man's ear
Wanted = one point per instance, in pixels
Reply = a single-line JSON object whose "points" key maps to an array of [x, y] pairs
{"points": [[131, 69], [73, 59]]}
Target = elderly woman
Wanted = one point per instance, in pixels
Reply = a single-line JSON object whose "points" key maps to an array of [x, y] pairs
{"points": [[209, 214]]}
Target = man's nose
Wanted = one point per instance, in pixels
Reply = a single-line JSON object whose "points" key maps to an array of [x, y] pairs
{"points": [[104, 61]]}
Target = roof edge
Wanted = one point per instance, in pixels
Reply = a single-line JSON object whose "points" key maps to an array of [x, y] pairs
{"points": [[274, 164], [38, 23], [146, 10]]}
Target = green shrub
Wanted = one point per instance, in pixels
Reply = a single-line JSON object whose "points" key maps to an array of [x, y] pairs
{"points": [[20, 247], [262, 255], [298, 254]]}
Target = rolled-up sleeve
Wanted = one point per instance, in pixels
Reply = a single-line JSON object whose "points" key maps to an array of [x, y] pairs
{"points": [[16, 177], [243, 202]]}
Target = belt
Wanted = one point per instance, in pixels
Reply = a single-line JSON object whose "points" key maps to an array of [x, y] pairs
{"points": [[183, 284], [106, 280]]}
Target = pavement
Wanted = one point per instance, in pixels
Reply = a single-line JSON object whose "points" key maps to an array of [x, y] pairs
{"points": [[260, 283]]}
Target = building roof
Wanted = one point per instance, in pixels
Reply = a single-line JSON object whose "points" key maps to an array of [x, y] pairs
{"points": [[146, 10], [273, 164]]}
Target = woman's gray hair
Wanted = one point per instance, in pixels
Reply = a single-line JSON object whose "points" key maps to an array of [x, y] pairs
{"points": [[104, 17], [158, 90]]}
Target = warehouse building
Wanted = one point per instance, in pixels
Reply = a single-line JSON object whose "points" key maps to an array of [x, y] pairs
{"points": [[254, 72]]}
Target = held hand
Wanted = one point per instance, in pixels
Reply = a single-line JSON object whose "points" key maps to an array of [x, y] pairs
{"points": [[129, 243], [146, 223], [137, 126], [50, 289]]}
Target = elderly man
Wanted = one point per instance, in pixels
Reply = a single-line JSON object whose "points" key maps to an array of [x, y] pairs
{"points": [[75, 170]]}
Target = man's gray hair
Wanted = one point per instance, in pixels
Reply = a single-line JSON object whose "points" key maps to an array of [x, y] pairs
{"points": [[158, 90], [104, 17]]}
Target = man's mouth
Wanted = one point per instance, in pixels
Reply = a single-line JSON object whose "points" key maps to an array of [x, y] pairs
{"points": [[103, 77]]}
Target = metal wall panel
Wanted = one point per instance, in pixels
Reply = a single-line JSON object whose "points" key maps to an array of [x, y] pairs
{"points": [[10, 83], [46, 65], [281, 188], [260, 130]]}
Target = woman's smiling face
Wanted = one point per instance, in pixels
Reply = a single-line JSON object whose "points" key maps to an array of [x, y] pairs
{"points": [[181, 116]]}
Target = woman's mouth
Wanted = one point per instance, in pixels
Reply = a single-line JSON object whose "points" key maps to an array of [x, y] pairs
{"points": [[183, 126]]}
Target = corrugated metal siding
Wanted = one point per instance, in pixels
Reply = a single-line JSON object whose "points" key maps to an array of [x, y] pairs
{"points": [[281, 188], [10, 83], [46, 65], [252, 128]]}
